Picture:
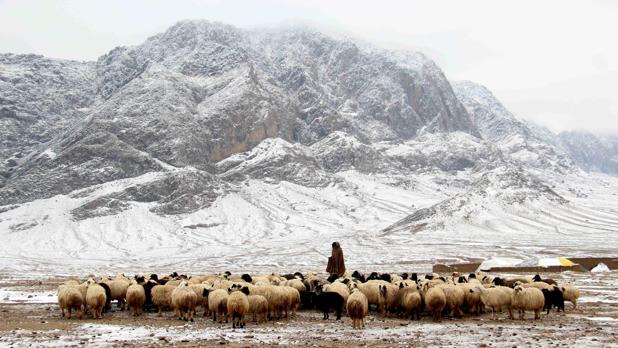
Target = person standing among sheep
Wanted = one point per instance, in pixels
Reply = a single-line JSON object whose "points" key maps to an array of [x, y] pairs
{"points": [[336, 266]]}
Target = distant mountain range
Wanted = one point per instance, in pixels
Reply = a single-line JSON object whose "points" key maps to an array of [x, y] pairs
{"points": [[205, 111]]}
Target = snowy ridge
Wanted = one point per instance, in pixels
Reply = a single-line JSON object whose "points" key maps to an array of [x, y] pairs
{"points": [[209, 147]]}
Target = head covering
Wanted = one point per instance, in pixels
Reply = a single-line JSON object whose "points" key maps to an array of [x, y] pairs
{"points": [[335, 262]]}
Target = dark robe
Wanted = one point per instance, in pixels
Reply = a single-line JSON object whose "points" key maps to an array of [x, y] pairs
{"points": [[335, 262]]}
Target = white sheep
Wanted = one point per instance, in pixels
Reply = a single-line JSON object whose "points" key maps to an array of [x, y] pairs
{"points": [[238, 306], [357, 308], [530, 299], [217, 304], [184, 301], [136, 297], [258, 307], [570, 294], [496, 299], [409, 300], [95, 299], [69, 297], [455, 298], [435, 301], [162, 297]]}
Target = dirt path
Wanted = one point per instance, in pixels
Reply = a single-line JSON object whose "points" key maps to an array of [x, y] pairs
{"points": [[35, 321]]}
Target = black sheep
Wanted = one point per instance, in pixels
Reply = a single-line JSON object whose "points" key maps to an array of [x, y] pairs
{"points": [[357, 275], [327, 301], [553, 298], [373, 276], [414, 277], [537, 278], [307, 299], [499, 281], [108, 297], [247, 278], [148, 305], [385, 277]]}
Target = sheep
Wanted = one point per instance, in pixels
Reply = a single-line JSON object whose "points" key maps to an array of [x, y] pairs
{"points": [[455, 298], [217, 304], [69, 297], [136, 297], [162, 297], [108, 297], [357, 275], [371, 290], [258, 307], [388, 298], [472, 299], [292, 299], [538, 285], [247, 278], [118, 287], [201, 299], [326, 301], [435, 301], [339, 288], [496, 299], [531, 299], [238, 305], [553, 298], [409, 300], [537, 278], [184, 301], [297, 284], [357, 308], [148, 286], [95, 299], [570, 294]]}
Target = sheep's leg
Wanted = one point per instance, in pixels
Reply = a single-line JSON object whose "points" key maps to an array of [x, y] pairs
{"points": [[62, 312], [511, 313], [537, 314], [574, 303]]}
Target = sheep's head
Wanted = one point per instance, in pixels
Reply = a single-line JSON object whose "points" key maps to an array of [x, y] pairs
{"points": [[536, 278], [519, 289], [245, 290]]}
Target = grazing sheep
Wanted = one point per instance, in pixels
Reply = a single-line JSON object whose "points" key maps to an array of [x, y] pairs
{"points": [[495, 299], [217, 304], [570, 294], [238, 305], [409, 301], [537, 278], [455, 298], [326, 301], [297, 284], [472, 299], [108, 297], [389, 302], [371, 290], [357, 308], [118, 287], [201, 299], [292, 299], [184, 300], [258, 307], [69, 297], [162, 297], [528, 299], [435, 301], [136, 297], [95, 299], [553, 298], [538, 285]]}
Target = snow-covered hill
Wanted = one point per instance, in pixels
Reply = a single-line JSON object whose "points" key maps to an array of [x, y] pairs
{"points": [[210, 147]]}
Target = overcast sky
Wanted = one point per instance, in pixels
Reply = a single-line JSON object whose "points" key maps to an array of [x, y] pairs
{"points": [[553, 62]]}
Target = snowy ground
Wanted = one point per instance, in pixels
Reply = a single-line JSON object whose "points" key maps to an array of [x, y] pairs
{"points": [[33, 321], [272, 226]]}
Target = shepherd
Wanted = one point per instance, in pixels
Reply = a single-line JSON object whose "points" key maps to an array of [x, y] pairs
{"points": [[336, 266]]}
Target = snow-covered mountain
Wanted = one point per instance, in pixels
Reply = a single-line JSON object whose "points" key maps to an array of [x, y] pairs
{"points": [[213, 146]]}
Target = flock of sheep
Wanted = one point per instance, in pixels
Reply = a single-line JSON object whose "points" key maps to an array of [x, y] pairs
{"points": [[273, 296]]}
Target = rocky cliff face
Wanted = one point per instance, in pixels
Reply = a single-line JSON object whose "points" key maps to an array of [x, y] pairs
{"points": [[591, 152]]}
